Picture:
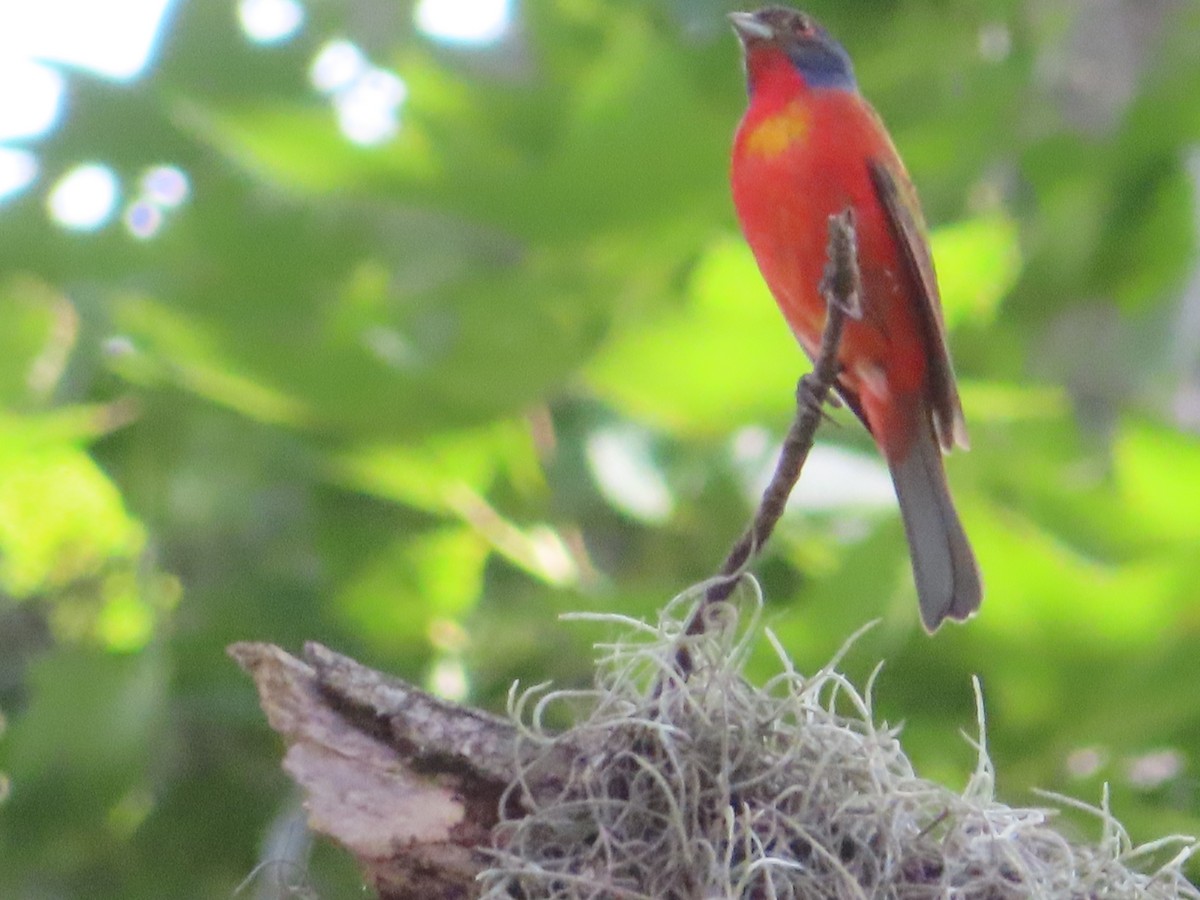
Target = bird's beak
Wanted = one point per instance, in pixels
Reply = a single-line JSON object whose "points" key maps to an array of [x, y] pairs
{"points": [[748, 27]]}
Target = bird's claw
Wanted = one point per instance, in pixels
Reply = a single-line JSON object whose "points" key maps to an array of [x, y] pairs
{"points": [[807, 389]]}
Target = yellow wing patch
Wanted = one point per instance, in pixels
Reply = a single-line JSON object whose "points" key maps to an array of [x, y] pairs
{"points": [[779, 132]]}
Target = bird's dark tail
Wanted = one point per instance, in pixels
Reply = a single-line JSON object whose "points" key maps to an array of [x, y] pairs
{"points": [[944, 567]]}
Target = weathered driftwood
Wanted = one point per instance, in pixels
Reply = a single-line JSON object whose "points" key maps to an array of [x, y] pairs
{"points": [[406, 782]]}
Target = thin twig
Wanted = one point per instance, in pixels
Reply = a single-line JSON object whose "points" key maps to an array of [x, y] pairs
{"points": [[840, 288]]}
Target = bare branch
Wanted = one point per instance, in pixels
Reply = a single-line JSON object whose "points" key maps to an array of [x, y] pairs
{"points": [[840, 287]]}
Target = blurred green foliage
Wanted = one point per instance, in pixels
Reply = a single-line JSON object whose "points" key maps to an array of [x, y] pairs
{"points": [[414, 400]]}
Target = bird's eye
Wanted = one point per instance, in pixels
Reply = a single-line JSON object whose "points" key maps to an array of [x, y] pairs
{"points": [[802, 27]]}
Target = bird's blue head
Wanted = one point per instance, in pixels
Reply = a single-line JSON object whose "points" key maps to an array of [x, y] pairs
{"points": [[820, 59]]}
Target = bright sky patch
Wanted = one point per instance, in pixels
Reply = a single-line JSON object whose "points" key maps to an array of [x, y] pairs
{"points": [[473, 22], [84, 198]]}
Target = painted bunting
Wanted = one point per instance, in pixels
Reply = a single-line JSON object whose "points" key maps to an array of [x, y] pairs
{"points": [[808, 147]]}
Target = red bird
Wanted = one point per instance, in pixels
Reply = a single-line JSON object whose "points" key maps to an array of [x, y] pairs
{"points": [[808, 147]]}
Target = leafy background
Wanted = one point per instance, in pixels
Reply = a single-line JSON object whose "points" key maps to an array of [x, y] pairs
{"points": [[415, 396]]}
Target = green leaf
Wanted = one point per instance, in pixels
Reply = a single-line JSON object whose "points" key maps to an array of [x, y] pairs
{"points": [[429, 475], [395, 597], [722, 358], [1156, 472], [61, 518], [978, 262]]}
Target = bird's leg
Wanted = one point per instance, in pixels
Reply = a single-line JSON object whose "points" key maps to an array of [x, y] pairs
{"points": [[808, 398]]}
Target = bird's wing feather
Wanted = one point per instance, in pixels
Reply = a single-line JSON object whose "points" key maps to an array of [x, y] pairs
{"points": [[898, 197]]}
